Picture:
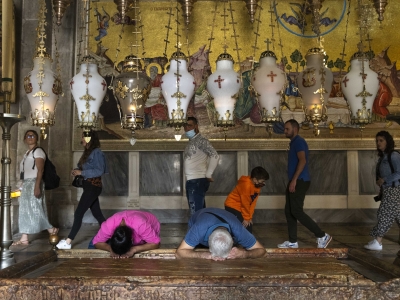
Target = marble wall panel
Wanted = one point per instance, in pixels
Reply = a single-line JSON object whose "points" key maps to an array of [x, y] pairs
{"points": [[224, 176], [160, 173], [366, 172], [328, 171], [116, 182]]}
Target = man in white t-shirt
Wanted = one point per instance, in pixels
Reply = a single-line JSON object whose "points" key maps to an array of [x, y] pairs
{"points": [[200, 160]]}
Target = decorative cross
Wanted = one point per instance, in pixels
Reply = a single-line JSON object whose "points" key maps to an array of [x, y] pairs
{"points": [[363, 75], [219, 80], [87, 75], [71, 83], [272, 75], [345, 81], [268, 42], [104, 84]]}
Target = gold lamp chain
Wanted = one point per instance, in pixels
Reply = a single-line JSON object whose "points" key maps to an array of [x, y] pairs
{"points": [[118, 49], [272, 25], [256, 33], [224, 29], [279, 32], [42, 51], [343, 53], [57, 83], [166, 40], [212, 27], [235, 36], [87, 23], [141, 32]]}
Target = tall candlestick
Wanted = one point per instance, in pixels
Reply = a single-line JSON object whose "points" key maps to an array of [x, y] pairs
{"points": [[7, 45]]}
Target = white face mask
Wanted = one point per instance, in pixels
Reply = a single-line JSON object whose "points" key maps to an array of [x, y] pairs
{"points": [[190, 133]]}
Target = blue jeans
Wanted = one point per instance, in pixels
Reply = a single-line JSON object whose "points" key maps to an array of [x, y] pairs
{"points": [[196, 193]]}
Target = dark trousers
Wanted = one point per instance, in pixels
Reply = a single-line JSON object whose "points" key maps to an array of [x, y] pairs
{"points": [[294, 211], [238, 215], [196, 193], [89, 199]]}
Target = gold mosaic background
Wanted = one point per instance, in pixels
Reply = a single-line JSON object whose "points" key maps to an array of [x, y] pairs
{"points": [[155, 18]]}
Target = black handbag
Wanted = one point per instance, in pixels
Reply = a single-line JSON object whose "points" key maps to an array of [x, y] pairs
{"points": [[78, 181]]}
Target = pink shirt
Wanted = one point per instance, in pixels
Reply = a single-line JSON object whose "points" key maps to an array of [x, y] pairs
{"points": [[145, 226]]}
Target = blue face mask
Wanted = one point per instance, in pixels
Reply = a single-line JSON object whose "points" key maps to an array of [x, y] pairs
{"points": [[190, 133]]}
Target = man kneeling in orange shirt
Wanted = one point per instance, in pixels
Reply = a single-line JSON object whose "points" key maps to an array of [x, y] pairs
{"points": [[243, 199]]}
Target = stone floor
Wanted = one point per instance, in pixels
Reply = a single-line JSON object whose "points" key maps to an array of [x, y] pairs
{"points": [[344, 236]]}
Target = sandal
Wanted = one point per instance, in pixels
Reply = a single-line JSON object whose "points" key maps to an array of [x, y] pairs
{"points": [[19, 243], [54, 231]]}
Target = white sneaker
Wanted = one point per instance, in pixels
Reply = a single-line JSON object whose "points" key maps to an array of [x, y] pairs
{"points": [[324, 241], [287, 244], [63, 245], [373, 245]]}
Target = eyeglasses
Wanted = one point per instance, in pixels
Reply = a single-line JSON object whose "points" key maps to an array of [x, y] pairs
{"points": [[30, 136]]}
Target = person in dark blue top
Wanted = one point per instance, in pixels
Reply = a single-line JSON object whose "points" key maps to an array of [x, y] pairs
{"points": [[299, 182], [91, 166], [219, 230]]}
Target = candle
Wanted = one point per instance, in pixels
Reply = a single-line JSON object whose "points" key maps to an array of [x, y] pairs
{"points": [[7, 45]]}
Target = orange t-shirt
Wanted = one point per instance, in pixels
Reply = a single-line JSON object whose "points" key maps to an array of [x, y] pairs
{"points": [[244, 197]]}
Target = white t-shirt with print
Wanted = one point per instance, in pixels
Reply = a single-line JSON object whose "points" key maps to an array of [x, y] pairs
{"points": [[27, 163]]}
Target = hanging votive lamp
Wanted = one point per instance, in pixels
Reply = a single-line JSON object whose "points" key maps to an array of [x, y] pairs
{"points": [[123, 6], [268, 82], [223, 85], [177, 87], [360, 87], [315, 85], [132, 88], [88, 89], [41, 85], [187, 7], [59, 7]]}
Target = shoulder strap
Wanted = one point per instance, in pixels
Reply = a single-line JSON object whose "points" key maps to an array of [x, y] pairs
{"points": [[33, 154]]}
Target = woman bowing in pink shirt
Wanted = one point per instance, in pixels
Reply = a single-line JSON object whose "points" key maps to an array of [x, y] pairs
{"points": [[128, 232]]}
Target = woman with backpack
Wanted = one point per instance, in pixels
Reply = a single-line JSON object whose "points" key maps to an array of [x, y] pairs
{"points": [[387, 178], [91, 166], [32, 203]]}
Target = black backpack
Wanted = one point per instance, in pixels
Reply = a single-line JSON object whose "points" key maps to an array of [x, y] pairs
{"points": [[50, 177]]}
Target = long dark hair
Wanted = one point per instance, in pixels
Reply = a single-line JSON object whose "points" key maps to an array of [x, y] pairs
{"points": [[93, 144], [389, 142], [121, 240]]}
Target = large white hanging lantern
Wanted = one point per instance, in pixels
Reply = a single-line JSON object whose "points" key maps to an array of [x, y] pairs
{"points": [[177, 87], [132, 88], [223, 85], [315, 85], [269, 81], [88, 89], [360, 87], [41, 85], [43, 88]]}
